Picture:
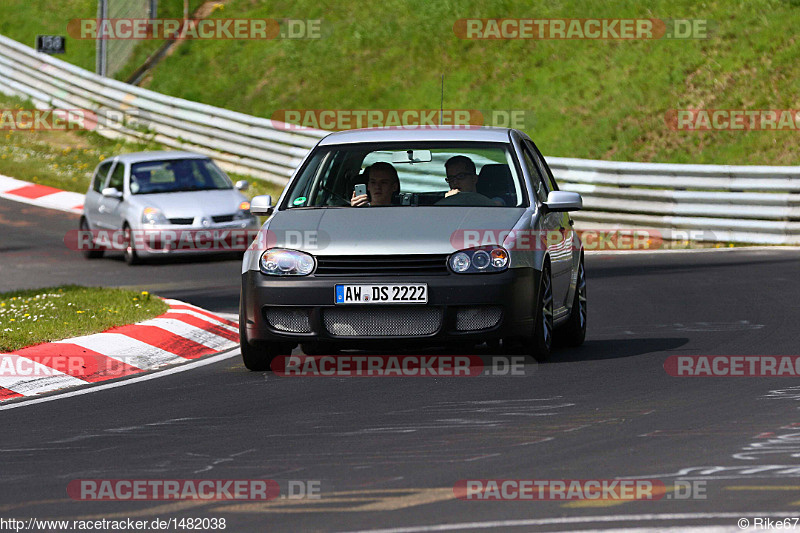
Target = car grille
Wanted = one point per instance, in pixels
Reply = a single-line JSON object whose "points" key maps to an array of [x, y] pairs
{"points": [[476, 318], [222, 218], [386, 321], [182, 221], [292, 320], [381, 265]]}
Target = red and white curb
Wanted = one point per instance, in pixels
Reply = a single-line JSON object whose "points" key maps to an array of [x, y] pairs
{"points": [[40, 195], [183, 333]]}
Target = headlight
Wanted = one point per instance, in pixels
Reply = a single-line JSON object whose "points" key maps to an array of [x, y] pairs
{"points": [[153, 216], [486, 259], [281, 262], [244, 211]]}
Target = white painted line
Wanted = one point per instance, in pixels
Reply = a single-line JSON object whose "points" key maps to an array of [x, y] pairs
{"points": [[37, 203], [582, 520], [126, 349], [695, 250], [204, 317], [8, 183], [41, 378], [62, 200], [200, 336], [677, 529], [124, 382]]}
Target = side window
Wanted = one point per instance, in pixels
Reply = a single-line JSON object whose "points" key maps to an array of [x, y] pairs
{"points": [[536, 176], [117, 177], [100, 175], [545, 170]]}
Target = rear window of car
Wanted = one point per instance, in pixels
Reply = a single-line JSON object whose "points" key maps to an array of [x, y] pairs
{"points": [[328, 178]]}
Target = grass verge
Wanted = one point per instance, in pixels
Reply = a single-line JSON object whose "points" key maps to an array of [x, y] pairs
{"points": [[67, 159], [31, 317]]}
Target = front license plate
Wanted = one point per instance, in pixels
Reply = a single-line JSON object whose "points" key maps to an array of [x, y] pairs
{"points": [[387, 293]]}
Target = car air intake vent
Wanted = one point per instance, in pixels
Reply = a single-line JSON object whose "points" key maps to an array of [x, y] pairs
{"points": [[478, 317], [293, 320], [376, 265], [222, 218], [182, 221], [368, 321]]}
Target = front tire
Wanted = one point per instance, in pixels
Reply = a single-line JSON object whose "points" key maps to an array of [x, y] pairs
{"points": [[540, 345], [255, 358], [574, 332], [131, 257]]}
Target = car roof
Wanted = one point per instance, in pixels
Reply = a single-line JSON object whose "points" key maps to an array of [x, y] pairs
{"points": [[141, 157], [425, 133]]}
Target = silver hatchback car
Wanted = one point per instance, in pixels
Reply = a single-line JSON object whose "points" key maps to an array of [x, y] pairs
{"points": [[436, 236], [162, 201]]}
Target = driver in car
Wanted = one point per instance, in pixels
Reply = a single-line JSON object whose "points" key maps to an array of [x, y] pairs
{"points": [[382, 184], [462, 178]]}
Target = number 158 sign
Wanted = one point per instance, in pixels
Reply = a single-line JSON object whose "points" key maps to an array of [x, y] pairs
{"points": [[51, 44]]}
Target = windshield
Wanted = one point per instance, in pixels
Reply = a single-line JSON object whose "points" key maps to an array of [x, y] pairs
{"points": [[177, 175], [442, 174]]}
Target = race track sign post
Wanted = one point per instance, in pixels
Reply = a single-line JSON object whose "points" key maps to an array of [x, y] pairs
{"points": [[51, 44]]}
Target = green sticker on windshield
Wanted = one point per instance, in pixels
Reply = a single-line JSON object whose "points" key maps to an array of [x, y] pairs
{"points": [[300, 200]]}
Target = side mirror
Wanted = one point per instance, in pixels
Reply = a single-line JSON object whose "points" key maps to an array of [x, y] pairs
{"points": [[242, 185], [261, 205], [112, 192], [563, 201]]}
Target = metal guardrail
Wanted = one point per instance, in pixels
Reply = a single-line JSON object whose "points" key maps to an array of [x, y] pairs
{"points": [[239, 142], [748, 204]]}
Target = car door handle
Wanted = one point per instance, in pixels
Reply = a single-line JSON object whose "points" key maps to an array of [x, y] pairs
{"points": [[102, 209]]}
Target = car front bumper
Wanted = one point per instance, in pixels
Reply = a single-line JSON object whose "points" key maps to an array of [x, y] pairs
{"points": [[235, 236], [460, 307]]}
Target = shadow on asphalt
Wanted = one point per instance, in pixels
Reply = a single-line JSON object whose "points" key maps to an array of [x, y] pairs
{"points": [[598, 350], [598, 271]]}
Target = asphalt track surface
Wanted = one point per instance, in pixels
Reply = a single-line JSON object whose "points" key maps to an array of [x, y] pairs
{"points": [[387, 452]]}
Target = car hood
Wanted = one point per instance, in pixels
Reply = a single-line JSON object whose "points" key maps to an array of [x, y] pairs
{"points": [[192, 203], [384, 230]]}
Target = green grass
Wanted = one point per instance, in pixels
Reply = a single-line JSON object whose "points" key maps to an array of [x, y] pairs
{"points": [[22, 20], [144, 49], [67, 159], [596, 99], [592, 99], [44, 315]]}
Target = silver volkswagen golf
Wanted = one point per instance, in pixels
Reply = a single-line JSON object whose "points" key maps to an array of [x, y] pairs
{"points": [[167, 202], [439, 236]]}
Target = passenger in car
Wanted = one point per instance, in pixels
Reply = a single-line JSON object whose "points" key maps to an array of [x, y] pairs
{"points": [[462, 178], [382, 183]]}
